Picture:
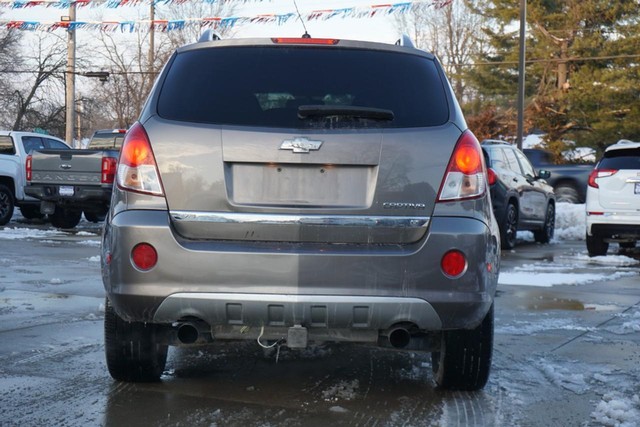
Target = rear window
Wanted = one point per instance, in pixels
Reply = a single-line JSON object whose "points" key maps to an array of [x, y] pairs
{"points": [[265, 86], [106, 141], [6, 145], [621, 159]]}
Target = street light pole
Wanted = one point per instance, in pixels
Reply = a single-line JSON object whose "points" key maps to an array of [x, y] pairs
{"points": [[70, 76], [521, 64]]}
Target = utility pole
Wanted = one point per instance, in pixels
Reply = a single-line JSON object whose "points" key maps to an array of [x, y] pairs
{"points": [[521, 65], [70, 76], [152, 17]]}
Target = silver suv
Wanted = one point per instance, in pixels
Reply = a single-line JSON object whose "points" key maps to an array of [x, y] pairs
{"points": [[300, 191]]}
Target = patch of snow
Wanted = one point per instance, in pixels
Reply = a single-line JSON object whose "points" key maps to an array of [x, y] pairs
{"points": [[571, 221], [344, 390], [546, 280], [94, 243], [94, 258], [564, 377], [613, 260], [522, 327], [84, 233], [617, 410], [338, 409], [55, 281], [27, 233]]}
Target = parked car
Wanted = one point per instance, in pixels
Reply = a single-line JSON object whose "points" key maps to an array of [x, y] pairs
{"points": [[613, 199], [75, 181], [274, 190], [14, 148], [521, 198], [569, 180]]}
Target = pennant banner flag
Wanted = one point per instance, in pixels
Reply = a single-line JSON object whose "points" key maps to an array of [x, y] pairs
{"points": [[217, 22], [64, 4]]}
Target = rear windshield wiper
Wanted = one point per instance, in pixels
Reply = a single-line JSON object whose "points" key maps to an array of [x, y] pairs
{"points": [[313, 111]]}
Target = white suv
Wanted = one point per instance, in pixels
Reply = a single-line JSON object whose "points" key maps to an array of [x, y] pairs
{"points": [[613, 199]]}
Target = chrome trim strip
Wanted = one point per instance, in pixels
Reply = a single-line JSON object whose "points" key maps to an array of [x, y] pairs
{"points": [[294, 219], [633, 180]]}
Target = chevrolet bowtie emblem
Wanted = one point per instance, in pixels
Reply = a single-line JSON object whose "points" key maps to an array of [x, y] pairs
{"points": [[300, 145]]}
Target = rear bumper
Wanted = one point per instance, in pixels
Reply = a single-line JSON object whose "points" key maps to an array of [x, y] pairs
{"points": [[368, 287], [614, 225], [82, 194]]}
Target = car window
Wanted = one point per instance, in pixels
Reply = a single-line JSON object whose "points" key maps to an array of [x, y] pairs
{"points": [[32, 143], [52, 143], [525, 165], [106, 141], [6, 146], [497, 159], [621, 159], [221, 86], [512, 161]]}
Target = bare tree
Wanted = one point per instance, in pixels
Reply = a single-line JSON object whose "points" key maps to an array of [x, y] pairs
{"points": [[450, 31]]}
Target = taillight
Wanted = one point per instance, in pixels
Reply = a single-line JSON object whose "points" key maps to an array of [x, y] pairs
{"points": [[453, 263], [137, 169], [492, 178], [108, 170], [304, 40], [599, 173], [465, 174], [28, 167], [144, 256]]}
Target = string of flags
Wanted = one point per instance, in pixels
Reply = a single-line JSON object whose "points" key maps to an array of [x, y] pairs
{"points": [[112, 4], [161, 25]]}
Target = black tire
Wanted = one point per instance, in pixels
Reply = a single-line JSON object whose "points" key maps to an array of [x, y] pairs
{"points": [[567, 194], [546, 233], [31, 212], [7, 204], [130, 349], [65, 217], [464, 359], [628, 245], [509, 227], [596, 246], [95, 216]]}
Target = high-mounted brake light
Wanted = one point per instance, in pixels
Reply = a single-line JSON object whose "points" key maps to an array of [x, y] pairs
{"points": [[304, 40], [28, 167], [599, 173], [137, 169], [465, 177]]}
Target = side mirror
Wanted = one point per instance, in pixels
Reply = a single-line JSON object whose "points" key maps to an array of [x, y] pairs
{"points": [[544, 174]]}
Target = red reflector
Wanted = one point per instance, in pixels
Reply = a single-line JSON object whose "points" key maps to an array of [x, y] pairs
{"points": [[595, 213], [304, 40], [144, 256], [453, 263]]}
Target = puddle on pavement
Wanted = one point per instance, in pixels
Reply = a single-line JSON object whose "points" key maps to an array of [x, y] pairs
{"points": [[544, 301]]}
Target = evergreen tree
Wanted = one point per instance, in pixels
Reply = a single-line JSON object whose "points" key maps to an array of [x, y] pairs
{"points": [[582, 67]]}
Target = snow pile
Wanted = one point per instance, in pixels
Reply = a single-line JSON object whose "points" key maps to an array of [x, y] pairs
{"points": [[564, 377], [618, 410], [634, 324], [571, 222]]}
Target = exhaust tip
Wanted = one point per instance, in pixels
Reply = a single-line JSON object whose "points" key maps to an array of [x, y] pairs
{"points": [[399, 338], [187, 333]]}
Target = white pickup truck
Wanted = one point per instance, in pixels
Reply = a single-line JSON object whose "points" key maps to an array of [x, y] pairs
{"points": [[14, 148]]}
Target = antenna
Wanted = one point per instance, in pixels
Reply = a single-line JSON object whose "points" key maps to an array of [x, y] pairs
{"points": [[306, 34]]}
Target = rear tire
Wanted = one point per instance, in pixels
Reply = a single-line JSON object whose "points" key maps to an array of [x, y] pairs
{"points": [[65, 218], [596, 246], [6, 204], [464, 359], [509, 228], [546, 233], [566, 194], [95, 216], [31, 212], [130, 349]]}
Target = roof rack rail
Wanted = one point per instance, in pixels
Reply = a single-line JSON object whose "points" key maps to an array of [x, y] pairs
{"points": [[404, 40], [209, 35]]}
